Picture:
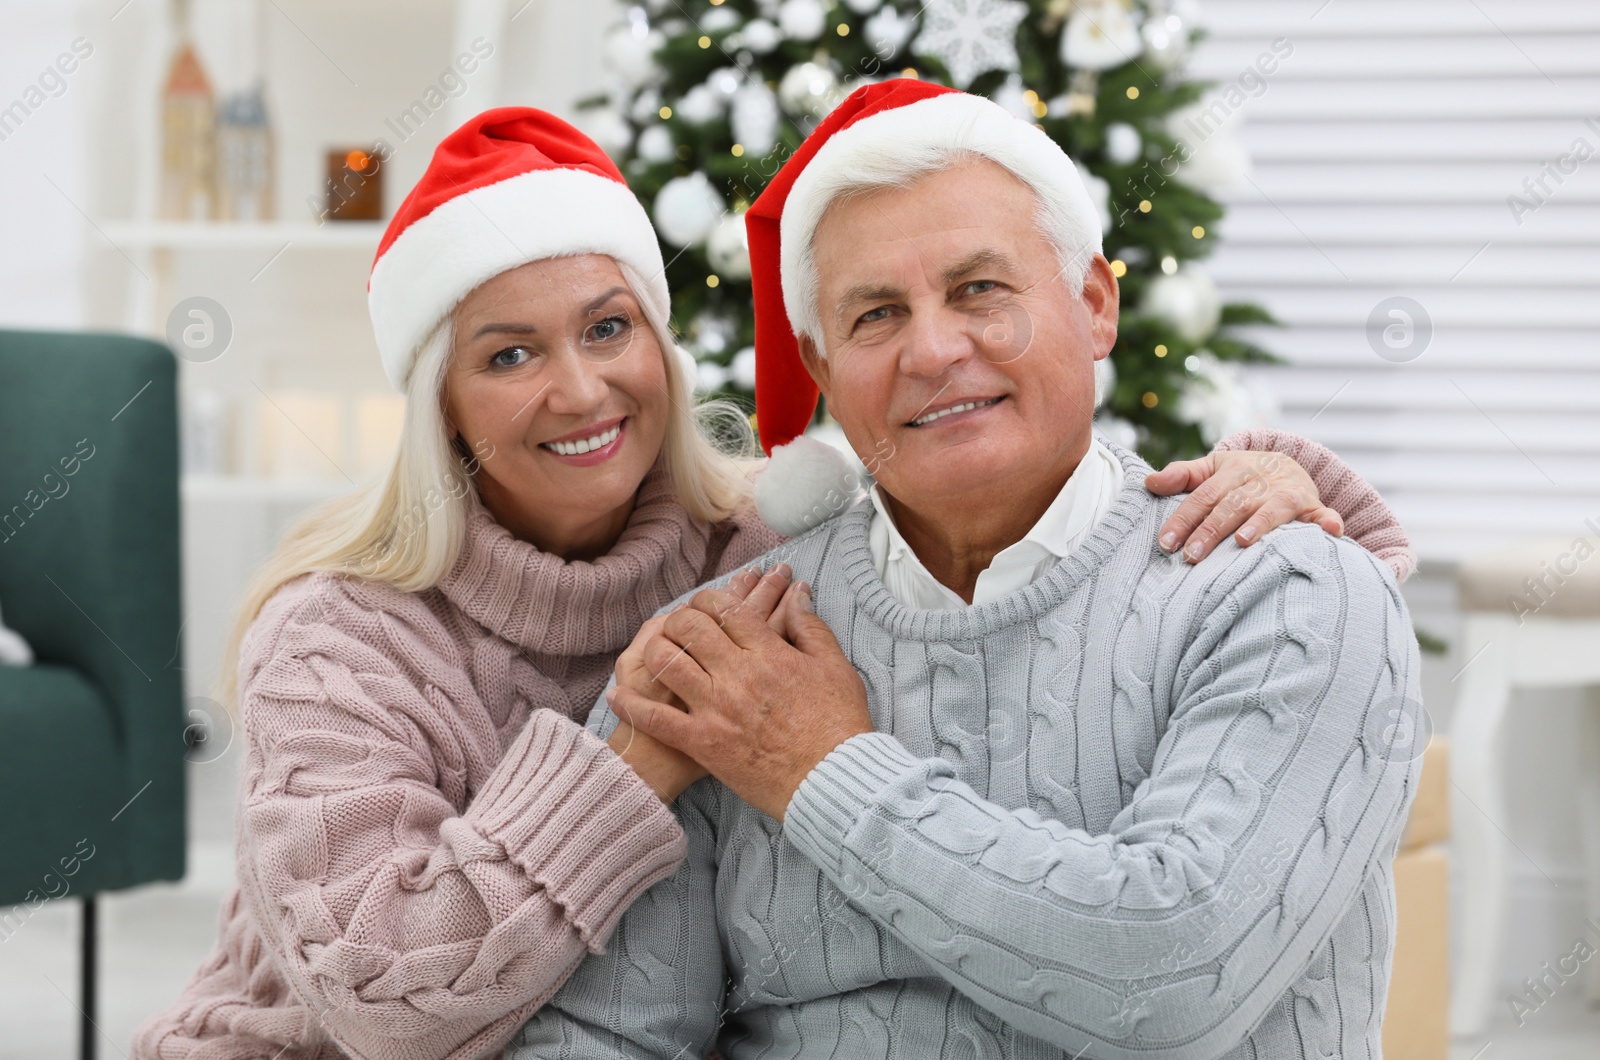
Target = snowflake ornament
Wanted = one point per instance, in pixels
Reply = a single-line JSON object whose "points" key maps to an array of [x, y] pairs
{"points": [[971, 36]]}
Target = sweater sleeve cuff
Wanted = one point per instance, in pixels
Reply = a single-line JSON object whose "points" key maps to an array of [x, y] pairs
{"points": [[579, 822], [839, 790]]}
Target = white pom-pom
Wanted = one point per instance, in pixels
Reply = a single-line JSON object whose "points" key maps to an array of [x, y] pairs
{"points": [[806, 483]]}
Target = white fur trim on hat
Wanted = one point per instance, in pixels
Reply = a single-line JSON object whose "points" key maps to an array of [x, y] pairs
{"points": [[951, 121], [806, 483], [481, 233]]}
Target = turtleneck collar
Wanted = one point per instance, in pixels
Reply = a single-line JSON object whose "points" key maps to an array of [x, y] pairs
{"points": [[553, 606]]}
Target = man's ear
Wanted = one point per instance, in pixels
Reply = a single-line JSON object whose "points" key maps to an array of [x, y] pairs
{"points": [[1102, 298], [816, 364]]}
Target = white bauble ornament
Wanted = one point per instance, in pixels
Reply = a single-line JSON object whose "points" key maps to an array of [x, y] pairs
{"points": [[719, 19], [1211, 156], [656, 145], [1187, 301], [1010, 97], [686, 209], [863, 7], [1099, 194], [699, 105], [711, 333], [1221, 399], [608, 129], [1100, 35], [1117, 430], [1123, 143], [725, 81], [710, 376], [802, 19], [971, 36], [807, 88], [742, 370], [646, 107], [887, 32], [629, 53], [1166, 41], [728, 248], [758, 35], [754, 119]]}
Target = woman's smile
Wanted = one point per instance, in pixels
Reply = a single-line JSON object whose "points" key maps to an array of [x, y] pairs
{"points": [[591, 445]]}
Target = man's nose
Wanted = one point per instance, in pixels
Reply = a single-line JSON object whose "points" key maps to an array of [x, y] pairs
{"points": [[936, 340]]}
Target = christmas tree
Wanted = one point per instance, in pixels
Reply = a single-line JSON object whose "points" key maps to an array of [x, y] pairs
{"points": [[710, 97]]}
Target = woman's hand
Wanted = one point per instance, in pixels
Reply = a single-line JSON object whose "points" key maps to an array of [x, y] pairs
{"points": [[667, 770], [1242, 492]]}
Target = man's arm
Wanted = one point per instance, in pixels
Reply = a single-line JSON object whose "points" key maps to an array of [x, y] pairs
{"points": [[656, 992], [1270, 802]]}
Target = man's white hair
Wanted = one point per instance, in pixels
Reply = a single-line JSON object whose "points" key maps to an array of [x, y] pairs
{"points": [[896, 148]]}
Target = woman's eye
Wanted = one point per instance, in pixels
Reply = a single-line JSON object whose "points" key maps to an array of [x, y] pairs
{"points": [[608, 329], [511, 356]]}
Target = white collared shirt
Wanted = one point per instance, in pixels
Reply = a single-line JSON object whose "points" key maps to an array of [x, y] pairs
{"points": [[1088, 494]]}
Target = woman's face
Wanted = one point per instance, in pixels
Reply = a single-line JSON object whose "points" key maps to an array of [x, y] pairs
{"points": [[558, 385]]}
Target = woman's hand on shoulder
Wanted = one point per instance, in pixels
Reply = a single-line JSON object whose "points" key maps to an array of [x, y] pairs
{"points": [[1241, 492]]}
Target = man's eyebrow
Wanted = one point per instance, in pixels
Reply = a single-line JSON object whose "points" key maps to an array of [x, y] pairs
{"points": [[529, 329], [866, 292], [977, 262]]}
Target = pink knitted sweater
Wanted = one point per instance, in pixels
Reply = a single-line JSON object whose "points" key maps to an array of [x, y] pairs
{"points": [[429, 841]]}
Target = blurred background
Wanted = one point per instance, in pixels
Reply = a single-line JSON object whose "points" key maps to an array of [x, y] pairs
{"points": [[1374, 224]]}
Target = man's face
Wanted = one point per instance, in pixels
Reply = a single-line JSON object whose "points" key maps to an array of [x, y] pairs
{"points": [[945, 294]]}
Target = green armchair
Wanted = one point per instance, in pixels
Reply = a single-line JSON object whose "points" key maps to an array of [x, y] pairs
{"points": [[92, 735]]}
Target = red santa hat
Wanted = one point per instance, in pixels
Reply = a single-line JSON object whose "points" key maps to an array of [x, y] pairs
{"points": [[890, 120], [512, 185]]}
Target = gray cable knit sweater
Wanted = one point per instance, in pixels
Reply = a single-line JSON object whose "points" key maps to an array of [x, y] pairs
{"points": [[1138, 809]]}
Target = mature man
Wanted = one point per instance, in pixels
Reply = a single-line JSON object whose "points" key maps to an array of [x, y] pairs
{"points": [[1060, 794]]}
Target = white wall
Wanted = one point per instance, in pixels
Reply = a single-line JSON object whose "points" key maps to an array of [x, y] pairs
{"points": [[44, 178]]}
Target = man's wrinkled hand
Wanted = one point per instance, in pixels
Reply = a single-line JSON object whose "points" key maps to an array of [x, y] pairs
{"points": [[765, 698], [667, 770]]}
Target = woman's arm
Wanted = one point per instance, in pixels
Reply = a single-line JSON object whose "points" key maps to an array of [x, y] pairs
{"points": [[1245, 487], [414, 919]]}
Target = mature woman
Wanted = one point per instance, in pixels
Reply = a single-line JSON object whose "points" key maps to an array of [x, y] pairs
{"points": [[429, 841]]}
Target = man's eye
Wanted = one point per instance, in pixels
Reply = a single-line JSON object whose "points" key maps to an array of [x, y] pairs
{"points": [[511, 356], [980, 286], [872, 316], [608, 329]]}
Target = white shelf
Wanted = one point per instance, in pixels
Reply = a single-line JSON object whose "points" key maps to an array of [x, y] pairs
{"points": [[269, 235]]}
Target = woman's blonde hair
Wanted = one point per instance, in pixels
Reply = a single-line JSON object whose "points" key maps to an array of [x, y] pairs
{"points": [[406, 529]]}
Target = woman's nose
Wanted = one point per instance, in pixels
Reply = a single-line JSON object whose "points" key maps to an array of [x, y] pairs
{"points": [[576, 384]]}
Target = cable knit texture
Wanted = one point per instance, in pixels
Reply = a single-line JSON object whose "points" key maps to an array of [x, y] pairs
{"points": [[1137, 809], [1366, 515], [429, 840]]}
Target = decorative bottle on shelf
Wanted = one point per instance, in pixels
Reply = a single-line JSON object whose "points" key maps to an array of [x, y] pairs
{"points": [[188, 132], [244, 157]]}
